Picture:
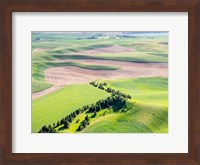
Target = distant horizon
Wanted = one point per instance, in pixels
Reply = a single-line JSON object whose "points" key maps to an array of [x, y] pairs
{"points": [[124, 32]]}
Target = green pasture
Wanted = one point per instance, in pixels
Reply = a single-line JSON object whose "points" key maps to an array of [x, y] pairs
{"points": [[39, 85], [149, 111], [151, 91], [140, 118], [50, 108]]}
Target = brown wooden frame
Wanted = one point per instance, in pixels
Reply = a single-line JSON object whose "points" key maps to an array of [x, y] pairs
{"points": [[9, 6]]}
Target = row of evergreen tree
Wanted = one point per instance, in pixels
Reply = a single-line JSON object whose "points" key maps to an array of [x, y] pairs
{"points": [[114, 100], [109, 89], [64, 121], [100, 86]]}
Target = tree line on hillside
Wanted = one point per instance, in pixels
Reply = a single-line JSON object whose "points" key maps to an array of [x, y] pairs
{"points": [[117, 101], [102, 86], [114, 100], [64, 121]]}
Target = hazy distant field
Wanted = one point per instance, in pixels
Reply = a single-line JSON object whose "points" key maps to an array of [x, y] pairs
{"points": [[99, 82]]}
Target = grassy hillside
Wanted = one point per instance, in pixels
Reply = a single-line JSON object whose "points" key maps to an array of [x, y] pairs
{"points": [[39, 85], [144, 53], [108, 126], [139, 119], [149, 111], [54, 106], [151, 91], [144, 113], [52, 46], [144, 57]]}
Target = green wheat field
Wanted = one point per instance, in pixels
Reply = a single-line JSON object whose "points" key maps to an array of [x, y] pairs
{"points": [[99, 82]]}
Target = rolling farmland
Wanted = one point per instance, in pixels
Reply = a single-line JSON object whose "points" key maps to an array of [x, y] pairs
{"points": [[99, 82]]}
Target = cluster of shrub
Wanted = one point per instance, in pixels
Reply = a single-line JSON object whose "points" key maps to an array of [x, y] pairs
{"points": [[117, 101]]}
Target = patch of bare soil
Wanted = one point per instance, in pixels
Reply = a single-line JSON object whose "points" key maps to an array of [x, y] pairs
{"points": [[61, 76], [75, 75], [107, 50]]}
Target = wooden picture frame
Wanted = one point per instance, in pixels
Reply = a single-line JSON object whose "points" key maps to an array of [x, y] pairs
{"points": [[9, 6]]}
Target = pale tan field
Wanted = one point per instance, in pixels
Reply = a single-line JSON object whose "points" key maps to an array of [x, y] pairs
{"points": [[73, 75], [61, 76]]}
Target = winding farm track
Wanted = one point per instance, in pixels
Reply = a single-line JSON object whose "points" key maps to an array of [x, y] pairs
{"points": [[66, 75], [46, 91]]}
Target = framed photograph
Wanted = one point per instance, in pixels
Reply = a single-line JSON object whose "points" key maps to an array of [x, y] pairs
{"points": [[79, 81], [97, 82]]}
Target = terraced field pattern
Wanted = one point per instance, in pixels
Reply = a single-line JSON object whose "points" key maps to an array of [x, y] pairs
{"points": [[99, 82]]}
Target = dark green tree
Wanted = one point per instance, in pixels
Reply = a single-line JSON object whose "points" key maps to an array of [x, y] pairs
{"points": [[45, 129], [80, 128], [62, 121], [58, 123], [40, 131], [66, 124], [84, 123], [86, 118], [70, 119], [95, 113]]}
